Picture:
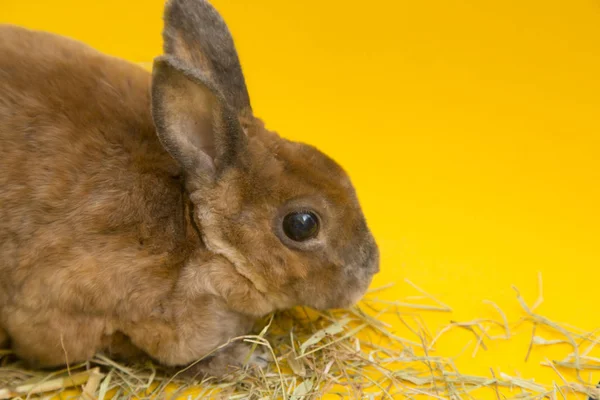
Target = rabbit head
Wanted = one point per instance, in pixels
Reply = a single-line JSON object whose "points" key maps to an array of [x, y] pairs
{"points": [[285, 215]]}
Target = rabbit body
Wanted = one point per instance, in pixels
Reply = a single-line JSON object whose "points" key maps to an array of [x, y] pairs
{"points": [[140, 214], [94, 224]]}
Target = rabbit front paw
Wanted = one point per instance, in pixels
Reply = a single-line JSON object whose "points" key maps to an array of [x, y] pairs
{"points": [[228, 360]]}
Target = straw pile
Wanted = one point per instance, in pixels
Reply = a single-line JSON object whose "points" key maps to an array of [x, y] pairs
{"points": [[344, 354]]}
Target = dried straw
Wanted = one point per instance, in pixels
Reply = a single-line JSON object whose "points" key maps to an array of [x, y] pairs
{"points": [[350, 353]]}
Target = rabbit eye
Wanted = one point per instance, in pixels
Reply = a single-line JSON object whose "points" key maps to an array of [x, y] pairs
{"points": [[301, 226]]}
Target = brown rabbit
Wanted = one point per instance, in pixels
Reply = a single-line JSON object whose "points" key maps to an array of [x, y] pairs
{"points": [[155, 214]]}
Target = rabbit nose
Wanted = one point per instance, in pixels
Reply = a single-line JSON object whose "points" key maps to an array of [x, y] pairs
{"points": [[374, 267], [372, 259]]}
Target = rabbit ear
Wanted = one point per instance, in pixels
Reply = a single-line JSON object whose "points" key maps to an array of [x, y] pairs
{"points": [[192, 120], [195, 33]]}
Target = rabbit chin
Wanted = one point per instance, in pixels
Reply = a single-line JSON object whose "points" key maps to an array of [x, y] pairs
{"points": [[343, 301], [346, 293]]}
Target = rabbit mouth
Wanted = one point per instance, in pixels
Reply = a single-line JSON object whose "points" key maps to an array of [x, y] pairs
{"points": [[351, 289]]}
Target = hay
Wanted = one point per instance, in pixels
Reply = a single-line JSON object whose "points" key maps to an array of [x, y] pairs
{"points": [[346, 353]]}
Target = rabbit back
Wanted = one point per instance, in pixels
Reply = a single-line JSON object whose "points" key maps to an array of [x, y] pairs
{"points": [[90, 203]]}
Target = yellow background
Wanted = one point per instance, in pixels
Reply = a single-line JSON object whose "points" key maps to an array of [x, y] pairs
{"points": [[470, 128]]}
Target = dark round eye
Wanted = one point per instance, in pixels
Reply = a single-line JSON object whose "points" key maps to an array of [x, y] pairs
{"points": [[301, 226]]}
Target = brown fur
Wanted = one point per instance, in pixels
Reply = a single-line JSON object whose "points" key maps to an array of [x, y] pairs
{"points": [[120, 237]]}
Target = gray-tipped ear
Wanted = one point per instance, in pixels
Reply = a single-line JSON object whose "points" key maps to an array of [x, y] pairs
{"points": [[192, 120], [195, 33]]}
